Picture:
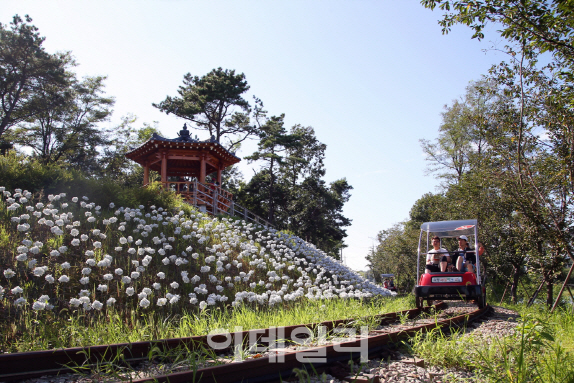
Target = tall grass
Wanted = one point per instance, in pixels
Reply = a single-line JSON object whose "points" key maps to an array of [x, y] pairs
{"points": [[540, 350], [78, 329]]}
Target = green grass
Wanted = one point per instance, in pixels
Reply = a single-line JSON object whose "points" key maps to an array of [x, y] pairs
{"points": [[107, 328], [541, 350]]}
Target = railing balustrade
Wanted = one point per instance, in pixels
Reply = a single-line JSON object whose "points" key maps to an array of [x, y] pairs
{"points": [[213, 199]]}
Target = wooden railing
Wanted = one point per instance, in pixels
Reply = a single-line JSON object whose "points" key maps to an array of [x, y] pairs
{"points": [[213, 199]]}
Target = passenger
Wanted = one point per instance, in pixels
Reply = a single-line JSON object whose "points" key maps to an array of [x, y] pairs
{"points": [[465, 256], [437, 258]]}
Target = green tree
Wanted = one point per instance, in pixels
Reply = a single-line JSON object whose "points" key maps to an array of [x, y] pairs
{"points": [[113, 162], [396, 253], [215, 103], [545, 26], [273, 148], [70, 132], [461, 140], [316, 213], [26, 71]]}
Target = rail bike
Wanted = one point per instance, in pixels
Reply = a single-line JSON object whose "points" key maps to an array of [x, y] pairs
{"points": [[457, 284]]}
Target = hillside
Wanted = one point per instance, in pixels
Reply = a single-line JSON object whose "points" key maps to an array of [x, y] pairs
{"points": [[69, 253]]}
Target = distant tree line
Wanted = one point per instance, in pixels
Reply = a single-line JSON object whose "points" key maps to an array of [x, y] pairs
{"points": [[56, 121], [504, 152]]}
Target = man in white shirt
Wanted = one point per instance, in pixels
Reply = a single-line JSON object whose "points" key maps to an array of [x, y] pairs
{"points": [[437, 258]]}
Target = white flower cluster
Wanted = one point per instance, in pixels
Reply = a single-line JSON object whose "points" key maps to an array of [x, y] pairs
{"points": [[159, 256]]}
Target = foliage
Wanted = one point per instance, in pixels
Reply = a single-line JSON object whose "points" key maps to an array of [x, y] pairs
{"points": [[542, 25], [289, 189], [214, 102], [67, 256], [273, 149], [69, 132], [540, 350], [114, 165], [26, 71], [396, 254]]}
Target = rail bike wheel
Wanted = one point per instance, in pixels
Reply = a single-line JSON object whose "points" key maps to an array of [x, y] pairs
{"points": [[419, 302], [481, 301]]}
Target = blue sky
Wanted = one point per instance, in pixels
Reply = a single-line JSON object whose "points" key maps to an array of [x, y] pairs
{"points": [[372, 77]]}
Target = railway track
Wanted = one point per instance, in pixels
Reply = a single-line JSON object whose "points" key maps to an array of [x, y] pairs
{"points": [[246, 356]]}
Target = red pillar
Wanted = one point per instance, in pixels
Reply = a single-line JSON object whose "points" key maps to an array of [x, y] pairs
{"points": [[219, 175], [164, 167], [202, 170], [146, 174]]}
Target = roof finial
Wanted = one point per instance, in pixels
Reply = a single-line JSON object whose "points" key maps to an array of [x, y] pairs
{"points": [[184, 133]]}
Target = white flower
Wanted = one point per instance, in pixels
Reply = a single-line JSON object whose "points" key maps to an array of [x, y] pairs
{"points": [[123, 240], [21, 257], [49, 278], [118, 271], [156, 286], [39, 306], [111, 301], [144, 303], [64, 279], [84, 280], [54, 253], [91, 262], [8, 273], [161, 275], [65, 265], [86, 271], [108, 277], [74, 232], [20, 302], [174, 299], [17, 290], [75, 242], [174, 285], [135, 275], [202, 305], [97, 305], [161, 301], [22, 249], [84, 237], [103, 288], [92, 219], [75, 302], [39, 271], [142, 295], [126, 279], [130, 291], [62, 249]]}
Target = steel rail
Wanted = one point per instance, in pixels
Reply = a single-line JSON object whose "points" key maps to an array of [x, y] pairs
{"points": [[34, 364], [265, 369]]}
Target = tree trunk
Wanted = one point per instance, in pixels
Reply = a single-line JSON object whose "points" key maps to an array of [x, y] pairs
{"points": [[514, 287], [549, 293], [271, 213]]}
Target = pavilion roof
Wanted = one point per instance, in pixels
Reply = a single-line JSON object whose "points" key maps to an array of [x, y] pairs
{"points": [[184, 142]]}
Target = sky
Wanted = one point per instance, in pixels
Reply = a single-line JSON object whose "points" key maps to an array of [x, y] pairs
{"points": [[370, 76]]}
